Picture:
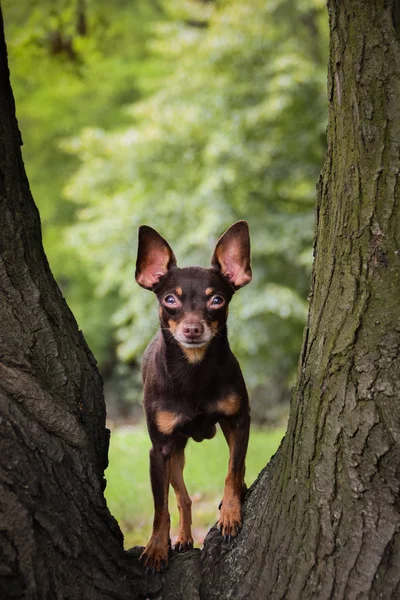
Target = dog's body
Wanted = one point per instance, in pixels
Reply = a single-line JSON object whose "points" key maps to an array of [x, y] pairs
{"points": [[191, 378]]}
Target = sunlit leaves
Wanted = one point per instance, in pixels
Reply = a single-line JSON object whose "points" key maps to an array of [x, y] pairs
{"points": [[186, 116], [235, 132]]}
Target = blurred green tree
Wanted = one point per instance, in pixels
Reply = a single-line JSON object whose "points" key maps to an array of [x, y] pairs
{"points": [[227, 120], [237, 131], [76, 63]]}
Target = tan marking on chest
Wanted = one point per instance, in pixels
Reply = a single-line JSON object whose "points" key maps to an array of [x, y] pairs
{"points": [[194, 355], [167, 421], [229, 405]]}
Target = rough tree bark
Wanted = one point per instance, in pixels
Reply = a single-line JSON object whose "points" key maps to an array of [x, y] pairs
{"points": [[57, 538], [322, 520]]}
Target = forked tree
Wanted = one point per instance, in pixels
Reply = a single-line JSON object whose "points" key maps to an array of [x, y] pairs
{"points": [[322, 520]]}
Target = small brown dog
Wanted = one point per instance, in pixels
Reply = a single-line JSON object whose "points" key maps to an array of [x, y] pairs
{"points": [[192, 380]]}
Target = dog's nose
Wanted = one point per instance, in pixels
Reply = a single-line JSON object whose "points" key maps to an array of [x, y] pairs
{"points": [[192, 331]]}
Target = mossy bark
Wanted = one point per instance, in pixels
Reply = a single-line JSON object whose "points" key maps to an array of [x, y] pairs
{"points": [[323, 520]]}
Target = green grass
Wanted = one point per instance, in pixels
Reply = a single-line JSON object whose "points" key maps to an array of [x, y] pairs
{"points": [[128, 490]]}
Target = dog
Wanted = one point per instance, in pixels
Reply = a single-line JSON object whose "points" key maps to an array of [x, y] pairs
{"points": [[192, 380]]}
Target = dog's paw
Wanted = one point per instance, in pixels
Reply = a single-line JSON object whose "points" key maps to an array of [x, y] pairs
{"points": [[242, 495], [154, 557], [183, 544], [230, 519]]}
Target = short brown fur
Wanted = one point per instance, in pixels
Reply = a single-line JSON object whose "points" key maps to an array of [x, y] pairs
{"points": [[192, 381], [167, 421], [172, 325], [214, 326], [194, 355], [185, 539], [229, 405]]}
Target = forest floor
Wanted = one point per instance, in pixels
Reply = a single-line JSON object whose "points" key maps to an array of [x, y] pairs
{"points": [[128, 490]]}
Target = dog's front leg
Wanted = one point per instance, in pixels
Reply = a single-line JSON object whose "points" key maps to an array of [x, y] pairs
{"points": [[155, 555], [236, 432], [185, 540]]}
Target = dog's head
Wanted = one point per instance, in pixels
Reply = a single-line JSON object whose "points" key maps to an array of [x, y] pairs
{"points": [[193, 300]]}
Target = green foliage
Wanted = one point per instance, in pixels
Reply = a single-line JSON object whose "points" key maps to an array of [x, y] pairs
{"points": [[237, 131], [66, 75], [226, 120], [128, 489]]}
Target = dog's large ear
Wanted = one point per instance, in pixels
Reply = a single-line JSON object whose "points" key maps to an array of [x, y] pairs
{"points": [[154, 259], [232, 255]]}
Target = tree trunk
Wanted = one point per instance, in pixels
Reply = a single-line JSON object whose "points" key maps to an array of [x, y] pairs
{"points": [[322, 520], [57, 538]]}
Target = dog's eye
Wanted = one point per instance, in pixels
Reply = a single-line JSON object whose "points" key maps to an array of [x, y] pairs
{"points": [[217, 301], [170, 300]]}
